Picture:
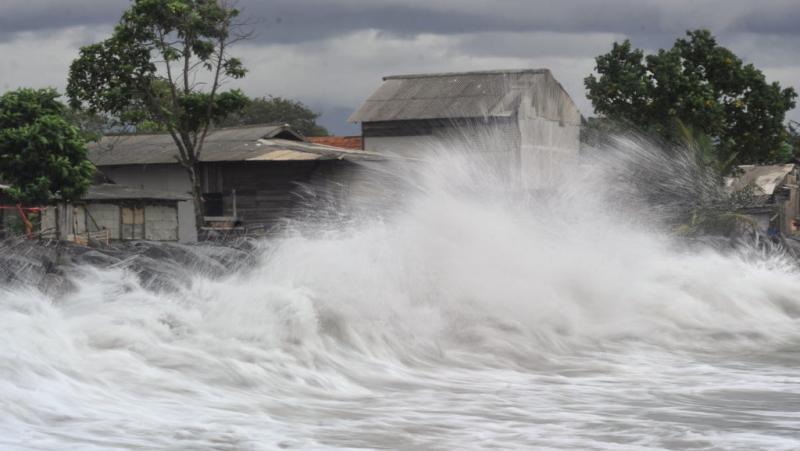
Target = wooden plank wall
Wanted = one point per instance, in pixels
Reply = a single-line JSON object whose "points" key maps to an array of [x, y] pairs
{"points": [[268, 192]]}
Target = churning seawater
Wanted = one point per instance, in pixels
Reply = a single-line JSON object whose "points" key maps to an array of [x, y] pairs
{"points": [[466, 318]]}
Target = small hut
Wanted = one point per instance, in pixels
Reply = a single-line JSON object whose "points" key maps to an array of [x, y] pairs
{"points": [[110, 212]]}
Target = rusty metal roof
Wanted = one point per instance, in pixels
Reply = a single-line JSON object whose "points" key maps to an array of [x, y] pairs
{"points": [[468, 95], [229, 144], [347, 142]]}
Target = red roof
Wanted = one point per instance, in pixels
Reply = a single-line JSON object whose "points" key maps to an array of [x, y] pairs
{"points": [[345, 142]]}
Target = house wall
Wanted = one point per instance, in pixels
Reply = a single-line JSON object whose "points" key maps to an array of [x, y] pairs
{"points": [[161, 223], [48, 223], [79, 219], [344, 190], [791, 207], [62, 222], [163, 177], [537, 150], [102, 216], [423, 138], [548, 150], [266, 192]]}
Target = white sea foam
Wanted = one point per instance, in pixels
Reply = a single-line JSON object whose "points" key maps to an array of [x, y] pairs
{"points": [[467, 316]]}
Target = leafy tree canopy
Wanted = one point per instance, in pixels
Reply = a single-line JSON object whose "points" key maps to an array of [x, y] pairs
{"points": [[163, 68], [700, 84], [264, 110], [42, 154], [147, 70]]}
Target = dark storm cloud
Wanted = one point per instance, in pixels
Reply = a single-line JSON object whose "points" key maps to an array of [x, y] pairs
{"points": [[291, 21], [48, 15], [357, 41], [287, 21], [782, 18]]}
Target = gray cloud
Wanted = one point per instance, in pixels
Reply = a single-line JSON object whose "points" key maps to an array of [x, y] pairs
{"points": [[332, 53], [26, 16], [287, 21]]}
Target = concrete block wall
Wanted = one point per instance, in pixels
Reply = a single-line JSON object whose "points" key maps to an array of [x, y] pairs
{"points": [[160, 223]]}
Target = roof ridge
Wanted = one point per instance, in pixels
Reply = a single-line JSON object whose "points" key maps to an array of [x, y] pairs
{"points": [[477, 72], [210, 130]]}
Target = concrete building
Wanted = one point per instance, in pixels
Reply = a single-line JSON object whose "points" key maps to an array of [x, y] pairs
{"points": [[527, 113], [110, 212], [250, 175]]}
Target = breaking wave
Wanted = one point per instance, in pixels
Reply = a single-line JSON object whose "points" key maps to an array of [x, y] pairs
{"points": [[466, 313]]}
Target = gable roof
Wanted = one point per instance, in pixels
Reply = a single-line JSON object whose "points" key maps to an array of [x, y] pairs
{"points": [[224, 144], [481, 94]]}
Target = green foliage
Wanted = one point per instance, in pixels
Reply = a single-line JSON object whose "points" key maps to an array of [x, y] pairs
{"points": [[162, 69], [793, 138], [14, 225], [147, 71], [721, 215], [702, 147], [267, 110], [92, 126], [698, 83], [42, 154]]}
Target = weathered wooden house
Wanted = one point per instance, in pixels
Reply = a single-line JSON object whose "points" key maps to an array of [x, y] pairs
{"points": [[250, 175], [110, 212], [107, 212], [526, 113]]}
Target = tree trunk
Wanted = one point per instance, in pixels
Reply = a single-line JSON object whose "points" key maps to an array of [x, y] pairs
{"points": [[197, 196]]}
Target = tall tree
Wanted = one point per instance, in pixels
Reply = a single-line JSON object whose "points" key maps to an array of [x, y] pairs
{"points": [[42, 154], [165, 64], [264, 110], [700, 84]]}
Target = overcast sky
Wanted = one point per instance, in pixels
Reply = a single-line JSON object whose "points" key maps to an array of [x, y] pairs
{"points": [[331, 54]]}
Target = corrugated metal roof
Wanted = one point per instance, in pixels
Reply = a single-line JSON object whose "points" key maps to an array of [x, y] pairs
{"points": [[468, 95], [321, 151], [286, 155], [229, 144], [109, 191]]}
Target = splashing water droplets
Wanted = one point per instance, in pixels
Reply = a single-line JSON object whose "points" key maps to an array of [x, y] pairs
{"points": [[451, 309]]}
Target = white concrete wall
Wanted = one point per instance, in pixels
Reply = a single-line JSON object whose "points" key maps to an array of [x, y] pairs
{"points": [[160, 223], [548, 151], [165, 177]]}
